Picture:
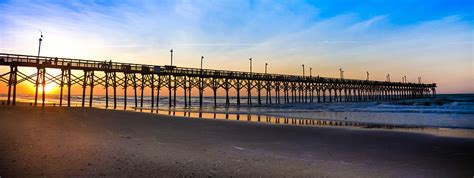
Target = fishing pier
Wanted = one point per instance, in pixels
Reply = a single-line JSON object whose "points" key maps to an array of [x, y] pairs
{"points": [[268, 88]]}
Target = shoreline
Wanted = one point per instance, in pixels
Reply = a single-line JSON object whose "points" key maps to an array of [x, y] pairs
{"points": [[299, 122]]}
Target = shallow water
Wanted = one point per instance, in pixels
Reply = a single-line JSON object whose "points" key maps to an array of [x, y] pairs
{"points": [[451, 111]]}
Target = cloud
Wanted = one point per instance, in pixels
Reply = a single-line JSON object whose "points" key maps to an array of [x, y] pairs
{"points": [[363, 25]]}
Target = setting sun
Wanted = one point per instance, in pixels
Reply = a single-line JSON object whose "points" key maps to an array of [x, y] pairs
{"points": [[48, 89]]}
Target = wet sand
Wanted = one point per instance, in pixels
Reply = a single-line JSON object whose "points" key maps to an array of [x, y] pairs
{"points": [[93, 142]]}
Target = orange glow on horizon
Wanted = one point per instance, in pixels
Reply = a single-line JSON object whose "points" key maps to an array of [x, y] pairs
{"points": [[48, 88]]}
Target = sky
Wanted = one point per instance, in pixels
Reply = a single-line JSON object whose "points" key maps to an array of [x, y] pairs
{"points": [[417, 38]]}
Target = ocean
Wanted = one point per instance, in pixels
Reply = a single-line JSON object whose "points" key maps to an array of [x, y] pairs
{"points": [[445, 110]]}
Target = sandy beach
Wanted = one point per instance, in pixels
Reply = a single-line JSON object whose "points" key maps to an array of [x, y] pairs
{"points": [[94, 142]]}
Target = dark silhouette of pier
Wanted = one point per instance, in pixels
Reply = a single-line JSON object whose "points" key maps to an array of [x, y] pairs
{"points": [[114, 75]]}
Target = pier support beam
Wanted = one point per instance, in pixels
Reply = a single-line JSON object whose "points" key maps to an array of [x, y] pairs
{"points": [[110, 77], [185, 92], [201, 90], [226, 87], [61, 86], [169, 91], [158, 88], [12, 85], [92, 88], [238, 91], [88, 80], [215, 86], [189, 91], [142, 88], [43, 85], [134, 80], [249, 91], [152, 91], [259, 89], [40, 79], [125, 85], [69, 85], [175, 85]]}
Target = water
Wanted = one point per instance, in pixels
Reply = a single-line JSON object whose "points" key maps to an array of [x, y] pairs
{"points": [[450, 111]]}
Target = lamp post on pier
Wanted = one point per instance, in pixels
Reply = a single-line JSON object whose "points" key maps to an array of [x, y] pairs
{"points": [[367, 75], [303, 69], [37, 75], [40, 40], [249, 85], [202, 58], [250, 59], [341, 73], [171, 51], [310, 72], [39, 46], [266, 64], [200, 85]]}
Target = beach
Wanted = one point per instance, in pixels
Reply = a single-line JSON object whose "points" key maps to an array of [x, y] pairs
{"points": [[55, 141]]}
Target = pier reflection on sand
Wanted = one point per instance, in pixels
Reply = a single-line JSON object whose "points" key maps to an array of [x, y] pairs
{"points": [[272, 119]]}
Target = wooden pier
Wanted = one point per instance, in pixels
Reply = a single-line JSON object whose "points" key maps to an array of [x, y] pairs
{"points": [[269, 88]]}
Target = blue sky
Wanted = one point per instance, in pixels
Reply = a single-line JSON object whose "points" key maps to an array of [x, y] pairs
{"points": [[432, 39]]}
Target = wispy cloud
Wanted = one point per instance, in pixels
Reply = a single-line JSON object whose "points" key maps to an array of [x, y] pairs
{"points": [[363, 25], [219, 44]]}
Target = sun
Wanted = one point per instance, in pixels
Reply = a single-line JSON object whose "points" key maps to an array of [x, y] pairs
{"points": [[48, 88]]}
